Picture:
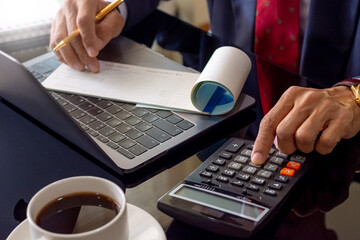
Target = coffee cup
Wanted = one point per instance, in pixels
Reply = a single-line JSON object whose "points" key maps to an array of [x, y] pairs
{"points": [[79, 208]]}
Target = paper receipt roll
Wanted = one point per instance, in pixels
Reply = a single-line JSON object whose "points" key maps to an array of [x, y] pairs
{"points": [[220, 83]]}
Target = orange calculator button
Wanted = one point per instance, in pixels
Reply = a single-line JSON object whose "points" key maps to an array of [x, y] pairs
{"points": [[293, 165], [287, 172]]}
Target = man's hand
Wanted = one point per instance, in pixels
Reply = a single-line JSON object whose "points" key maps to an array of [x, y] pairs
{"points": [[83, 50], [308, 119]]}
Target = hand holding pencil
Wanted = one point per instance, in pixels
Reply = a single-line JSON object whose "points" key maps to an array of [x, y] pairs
{"points": [[87, 19]]}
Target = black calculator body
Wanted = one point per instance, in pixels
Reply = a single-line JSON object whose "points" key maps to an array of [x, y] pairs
{"points": [[228, 194]]}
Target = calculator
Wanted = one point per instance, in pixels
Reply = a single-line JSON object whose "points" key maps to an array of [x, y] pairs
{"points": [[230, 195]]}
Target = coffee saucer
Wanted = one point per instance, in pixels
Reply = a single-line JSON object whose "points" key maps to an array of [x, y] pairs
{"points": [[142, 227]]}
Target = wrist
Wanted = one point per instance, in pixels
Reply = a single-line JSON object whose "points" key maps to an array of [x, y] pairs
{"points": [[354, 85]]}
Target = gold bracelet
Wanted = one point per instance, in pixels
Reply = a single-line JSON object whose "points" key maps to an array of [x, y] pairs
{"points": [[356, 91]]}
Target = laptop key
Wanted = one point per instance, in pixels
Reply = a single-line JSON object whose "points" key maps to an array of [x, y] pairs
{"points": [[112, 145], [163, 113], [97, 125], [150, 117], [116, 137], [62, 102], [92, 133], [129, 107], [93, 100], [174, 119], [106, 131], [104, 104], [78, 114], [95, 111], [185, 125], [104, 116], [133, 121], [103, 139], [125, 153], [86, 106], [143, 126], [167, 127], [114, 122], [114, 109], [134, 134], [140, 112], [123, 115], [127, 143], [67, 96], [158, 135], [70, 108], [147, 141], [123, 128], [137, 149], [77, 100], [87, 120]]}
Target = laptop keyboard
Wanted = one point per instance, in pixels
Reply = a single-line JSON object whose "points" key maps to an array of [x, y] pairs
{"points": [[127, 129]]}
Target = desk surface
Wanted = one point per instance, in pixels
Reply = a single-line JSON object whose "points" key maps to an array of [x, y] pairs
{"points": [[334, 186]]}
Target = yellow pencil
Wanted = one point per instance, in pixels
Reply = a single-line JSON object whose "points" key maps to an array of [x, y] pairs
{"points": [[98, 17]]}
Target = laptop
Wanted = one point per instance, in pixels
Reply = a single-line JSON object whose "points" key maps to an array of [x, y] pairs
{"points": [[119, 135]]}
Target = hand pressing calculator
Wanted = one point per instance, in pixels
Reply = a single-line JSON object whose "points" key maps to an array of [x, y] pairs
{"points": [[230, 195]]}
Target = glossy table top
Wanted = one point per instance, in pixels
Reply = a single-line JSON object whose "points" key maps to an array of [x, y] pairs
{"points": [[333, 186]]}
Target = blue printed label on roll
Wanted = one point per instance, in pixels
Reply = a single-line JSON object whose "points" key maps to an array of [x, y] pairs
{"points": [[212, 98]]}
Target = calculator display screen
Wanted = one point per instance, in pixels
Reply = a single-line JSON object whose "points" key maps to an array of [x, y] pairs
{"points": [[220, 202]]}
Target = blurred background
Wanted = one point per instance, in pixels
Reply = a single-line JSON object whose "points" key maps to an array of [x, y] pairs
{"points": [[24, 34], [25, 25]]}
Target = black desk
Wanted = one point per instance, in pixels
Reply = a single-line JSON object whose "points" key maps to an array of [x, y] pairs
{"points": [[42, 159]]}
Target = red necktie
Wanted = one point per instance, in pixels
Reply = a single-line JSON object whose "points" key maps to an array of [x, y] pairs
{"points": [[276, 39]]}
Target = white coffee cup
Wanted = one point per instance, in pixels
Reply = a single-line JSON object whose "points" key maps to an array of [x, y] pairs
{"points": [[117, 228]]}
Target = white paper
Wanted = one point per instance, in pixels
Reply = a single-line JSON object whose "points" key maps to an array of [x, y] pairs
{"points": [[166, 89], [116, 81]]}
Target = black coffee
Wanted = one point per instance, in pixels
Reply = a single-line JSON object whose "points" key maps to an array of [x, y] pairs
{"points": [[76, 213]]}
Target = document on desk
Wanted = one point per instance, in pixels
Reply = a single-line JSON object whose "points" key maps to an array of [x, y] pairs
{"points": [[214, 91]]}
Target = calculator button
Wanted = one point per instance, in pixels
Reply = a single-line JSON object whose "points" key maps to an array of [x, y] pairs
{"points": [[281, 155], [277, 160], [298, 158], [243, 176], [293, 165], [228, 172], [287, 172], [225, 155], [272, 150], [264, 173], [270, 192], [237, 183], [249, 169], [241, 159], [206, 174], [246, 152], [222, 179], [234, 146], [219, 161], [252, 187], [282, 178], [235, 166], [271, 167], [212, 168], [275, 185], [250, 146], [258, 181], [254, 165]]}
